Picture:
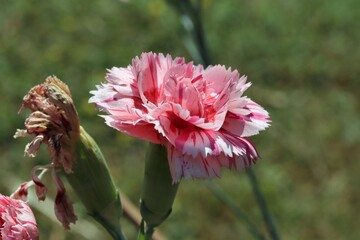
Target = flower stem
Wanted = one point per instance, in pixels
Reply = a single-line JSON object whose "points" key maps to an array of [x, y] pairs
{"points": [[131, 212], [199, 51], [225, 199], [270, 226], [145, 233], [114, 230], [192, 23]]}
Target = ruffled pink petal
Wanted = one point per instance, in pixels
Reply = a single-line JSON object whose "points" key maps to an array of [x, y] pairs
{"points": [[128, 108], [217, 94], [125, 111], [217, 77], [242, 147], [185, 166], [246, 119], [17, 221], [179, 88], [238, 89], [193, 143], [123, 80], [141, 130], [150, 84], [171, 120], [175, 124]]}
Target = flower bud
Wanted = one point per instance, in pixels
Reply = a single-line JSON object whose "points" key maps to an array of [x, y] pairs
{"points": [[93, 184], [17, 221]]}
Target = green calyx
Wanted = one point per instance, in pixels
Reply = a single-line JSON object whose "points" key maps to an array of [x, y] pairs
{"points": [[93, 184], [158, 192]]}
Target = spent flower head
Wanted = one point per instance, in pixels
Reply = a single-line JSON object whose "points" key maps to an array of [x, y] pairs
{"points": [[200, 115], [54, 122]]}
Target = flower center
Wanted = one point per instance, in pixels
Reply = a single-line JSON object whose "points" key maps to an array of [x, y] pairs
{"points": [[1, 223], [210, 113], [178, 122]]}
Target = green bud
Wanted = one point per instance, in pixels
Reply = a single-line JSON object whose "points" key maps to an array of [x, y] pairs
{"points": [[93, 184]]}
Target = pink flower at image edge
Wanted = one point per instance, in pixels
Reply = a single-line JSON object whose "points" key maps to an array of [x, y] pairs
{"points": [[17, 221], [198, 114]]}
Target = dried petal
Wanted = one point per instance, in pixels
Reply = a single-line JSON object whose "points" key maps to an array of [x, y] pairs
{"points": [[21, 193], [21, 133], [40, 188], [64, 210], [53, 121], [33, 147]]}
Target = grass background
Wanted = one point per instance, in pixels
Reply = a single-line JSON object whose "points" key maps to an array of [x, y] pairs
{"points": [[302, 57]]}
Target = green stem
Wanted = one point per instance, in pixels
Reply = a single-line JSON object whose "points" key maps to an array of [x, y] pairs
{"points": [[115, 231], [270, 226], [225, 199], [192, 23], [199, 33], [145, 233]]}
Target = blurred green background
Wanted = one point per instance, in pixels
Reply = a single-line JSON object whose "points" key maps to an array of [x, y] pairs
{"points": [[301, 56]]}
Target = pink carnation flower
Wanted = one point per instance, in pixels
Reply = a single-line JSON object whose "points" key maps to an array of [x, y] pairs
{"points": [[198, 114], [17, 221]]}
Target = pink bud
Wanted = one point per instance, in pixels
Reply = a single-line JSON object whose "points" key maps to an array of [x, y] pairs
{"points": [[17, 221]]}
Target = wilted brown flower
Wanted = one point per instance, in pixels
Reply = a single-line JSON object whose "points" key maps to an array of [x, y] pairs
{"points": [[54, 122]]}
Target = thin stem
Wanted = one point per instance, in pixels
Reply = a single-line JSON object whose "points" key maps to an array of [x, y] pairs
{"points": [[115, 231], [145, 232], [132, 213], [196, 31], [270, 226], [199, 33], [225, 199], [192, 23]]}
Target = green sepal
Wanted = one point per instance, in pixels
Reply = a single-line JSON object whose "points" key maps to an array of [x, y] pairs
{"points": [[93, 184], [159, 191]]}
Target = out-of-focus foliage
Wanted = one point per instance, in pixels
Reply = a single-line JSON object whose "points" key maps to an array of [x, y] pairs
{"points": [[302, 57]]}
